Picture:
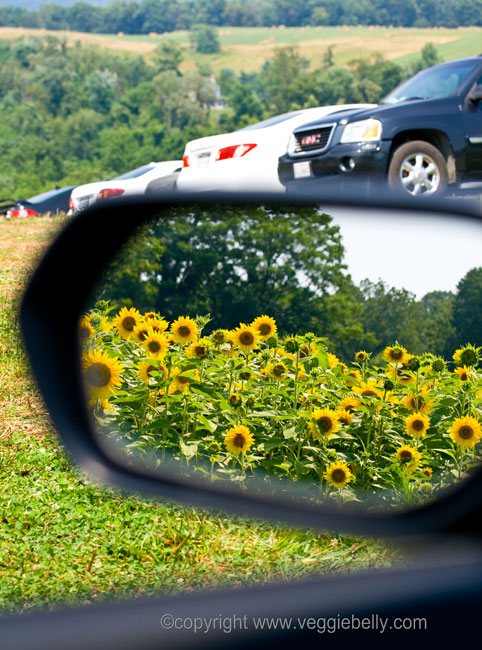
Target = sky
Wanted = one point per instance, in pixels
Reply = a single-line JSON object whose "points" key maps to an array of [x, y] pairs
{"points": [[409, 250]]}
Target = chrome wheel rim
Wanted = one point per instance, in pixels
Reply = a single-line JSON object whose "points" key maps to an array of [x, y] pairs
{"points": [[419, 174]]}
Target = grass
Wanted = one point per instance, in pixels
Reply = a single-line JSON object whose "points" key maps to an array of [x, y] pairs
{"points": [[247, 48], [65, 540]]}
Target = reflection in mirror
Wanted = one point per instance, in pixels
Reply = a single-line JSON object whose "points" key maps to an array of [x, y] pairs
{"points": [[276, 348]]}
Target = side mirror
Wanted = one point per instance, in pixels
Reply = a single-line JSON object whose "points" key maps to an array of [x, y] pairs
{"points": [[475, 95], [215, 349]]}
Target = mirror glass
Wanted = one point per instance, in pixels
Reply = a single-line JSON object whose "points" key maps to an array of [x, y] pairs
{"points": [[322, 353]]}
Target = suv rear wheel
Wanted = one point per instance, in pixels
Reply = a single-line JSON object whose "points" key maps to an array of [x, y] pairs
{"points": [[418, 168]]}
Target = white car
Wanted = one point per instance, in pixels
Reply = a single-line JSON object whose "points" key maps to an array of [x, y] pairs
{"points": [[247, 159], [133, 182]]}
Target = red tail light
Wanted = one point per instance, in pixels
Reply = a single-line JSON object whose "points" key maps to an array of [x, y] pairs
{"points": [[71, 204], [235, 151], [185, 161], [109, 193], [20, 212]]}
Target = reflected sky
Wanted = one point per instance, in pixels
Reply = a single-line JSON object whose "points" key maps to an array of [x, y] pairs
{"points": [[409, 250]]}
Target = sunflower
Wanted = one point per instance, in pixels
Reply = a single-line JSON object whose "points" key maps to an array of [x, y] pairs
{"points": [[86, 331], [400, 374], [101, 374], [325, 422], [362, 356], [141, 331], [264, 326], [159, 325], [419, 403], [279, 370], [338, 474], [245, 337], [352, 377], [427, 471], [395, 354], [156, 345], [146, 369], [416, 425], [308, 350], [150, 315], [184, 330], [105, 325], [238, 440], [125, 321], [467, 356], [349, 404], [220, 336], [369, 389], [180, 383], [235, 399], [466, 431], [344, 417], [409, 457], [198, 349], [463, 372], [333, 360]]}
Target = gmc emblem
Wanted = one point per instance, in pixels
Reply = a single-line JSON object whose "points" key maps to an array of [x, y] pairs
{"points": [[306, 140]]}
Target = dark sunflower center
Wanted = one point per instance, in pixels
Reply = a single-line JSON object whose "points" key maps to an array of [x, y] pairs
{"points": [[369, 393], [246, 338], [325, 423], [150, 369], [238, 440], [418, 425], [338, 475], [219, 337], [344, 420], [468, 357], [397, 354], [264, 329], [278, 370], [466, 432], [154, 346], [142, 335], [98, 374], [304, 352], [84, 333], [200, 351], [129, 323], [406, 455], [182, 380], [184, 331], [464, 376]]}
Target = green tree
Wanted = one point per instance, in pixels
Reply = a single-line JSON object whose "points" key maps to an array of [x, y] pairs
{"points": [[467, 309], [204, 39]]}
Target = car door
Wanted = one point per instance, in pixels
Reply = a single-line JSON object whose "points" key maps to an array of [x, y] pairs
{"points": [[473, 133]]}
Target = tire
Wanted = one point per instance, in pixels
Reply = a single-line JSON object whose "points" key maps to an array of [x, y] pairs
{"points": [[418, 169]]}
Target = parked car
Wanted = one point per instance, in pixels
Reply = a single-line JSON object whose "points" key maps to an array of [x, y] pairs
{"points": [[132, 182], [50, 202], [425, 134], [247, 159]]}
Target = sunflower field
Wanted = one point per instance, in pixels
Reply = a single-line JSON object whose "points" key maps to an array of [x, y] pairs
{"points": [[242, 400]]}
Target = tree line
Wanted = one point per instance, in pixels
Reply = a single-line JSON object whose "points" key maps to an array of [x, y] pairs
{"points": [[159, 16], [238, 262]]}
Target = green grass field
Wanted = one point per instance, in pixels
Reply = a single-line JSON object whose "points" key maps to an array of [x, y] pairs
{"points": [[247, 48], [66, 540]]}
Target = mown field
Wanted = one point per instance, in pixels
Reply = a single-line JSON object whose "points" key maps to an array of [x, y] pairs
{"points": [[63, 539], [249, 47]]}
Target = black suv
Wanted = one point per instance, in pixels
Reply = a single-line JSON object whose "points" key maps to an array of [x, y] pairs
{"points": [[425, 134]]}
